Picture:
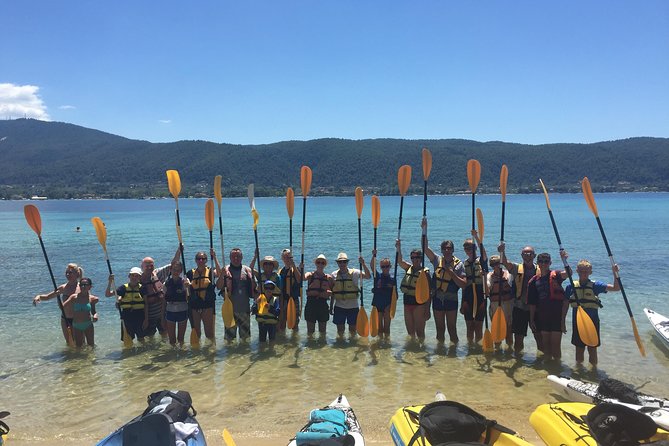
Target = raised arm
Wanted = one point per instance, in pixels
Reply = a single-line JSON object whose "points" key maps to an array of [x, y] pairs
{"points": [[428, 251]]}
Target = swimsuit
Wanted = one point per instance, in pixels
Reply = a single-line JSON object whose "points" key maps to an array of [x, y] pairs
{"points": [[82, 326]]}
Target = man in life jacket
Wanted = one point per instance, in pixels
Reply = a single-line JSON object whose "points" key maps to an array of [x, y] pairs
{"points": [[415, 314], [500, 290], [241, 285], [548, 305], [473, 294], [588, 296], [449, 276], [346, 290], [521, 273], [152, 281], [319, 295], [130, 300], [291, 281]]}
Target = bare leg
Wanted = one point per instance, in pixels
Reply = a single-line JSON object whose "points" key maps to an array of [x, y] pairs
{"points": [[182, 332], [90, 336], [440, 324], [171, 332], [592, 356], [409, 322], [208, 321]]}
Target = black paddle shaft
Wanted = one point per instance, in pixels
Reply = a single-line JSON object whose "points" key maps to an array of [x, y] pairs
{"points": [[423, 236], [360, 254], [399, 229], [255, 234], [502, 229], [53, 281], [181, 245], [564, 261], [608, 250]]}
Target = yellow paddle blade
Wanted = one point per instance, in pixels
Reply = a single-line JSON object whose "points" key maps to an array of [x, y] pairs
{"points": [[174, 183], [422, 288], [374, 322], [291, 314], [503, 178], [498, 325], [358, 201], [479, 218], [227, 312], [427, 163], [586, 328], [639, 344], [127, 340], [393, 303], [487, 341], [362, 323], [256, 217], [305, 180], [404, 178], [263, 307], [376, 211], [194, 338], [290, 202], [209, 214], [473, 174], [589, 198], [475, 300], [33, 218], [100, 231], [227, 438], [217, 189], [548, 201]]}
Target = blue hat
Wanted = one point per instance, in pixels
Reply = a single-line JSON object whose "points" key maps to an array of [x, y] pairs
{"points": [[269, 282]]}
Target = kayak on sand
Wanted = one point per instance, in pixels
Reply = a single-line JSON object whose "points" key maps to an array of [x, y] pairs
{"points": [[335, 424], [612, 391], [660, 324]]}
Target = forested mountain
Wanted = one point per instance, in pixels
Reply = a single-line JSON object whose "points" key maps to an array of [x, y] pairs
{"points": [[63, 160]]}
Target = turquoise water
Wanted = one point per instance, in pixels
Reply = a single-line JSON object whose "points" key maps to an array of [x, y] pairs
{"points": [[234, 387]]}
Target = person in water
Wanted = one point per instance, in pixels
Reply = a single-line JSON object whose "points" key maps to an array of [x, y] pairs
{"points": [[449, 277], [268, 271], [177, 291], [475, 268], [202, 302], [319, 293], [415, 314], [267, 310], [588, 296], [84, 313], [241, 284], [382, 291], [345, 291], [548, 305], [521, 273], [152, 281], [291, 283], [73, 273], [499, 289], [130, 300]]}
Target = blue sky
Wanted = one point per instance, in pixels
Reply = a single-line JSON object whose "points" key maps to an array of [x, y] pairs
{"points": [[265, 71]]}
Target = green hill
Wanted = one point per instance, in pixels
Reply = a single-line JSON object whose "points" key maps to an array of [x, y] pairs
{"points": [[62, 160]]}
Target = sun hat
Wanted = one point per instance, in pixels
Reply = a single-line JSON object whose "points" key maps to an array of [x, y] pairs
{"points": [[270, 259], [321, 257], [135, 270], [342, 257]]}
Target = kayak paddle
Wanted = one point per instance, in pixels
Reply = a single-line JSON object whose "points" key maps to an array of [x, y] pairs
{"points": [[35, 222], [291, 310], [305, 184], [586, 328], [499, 319], [256, 217], [487, 336], [361, 323], [422, 283], [403, 182], [374, 315], [590, 199], [227, 312], [473, 176]]}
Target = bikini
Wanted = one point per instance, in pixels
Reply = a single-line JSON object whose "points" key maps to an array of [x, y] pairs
{"points": [[83, 308]]}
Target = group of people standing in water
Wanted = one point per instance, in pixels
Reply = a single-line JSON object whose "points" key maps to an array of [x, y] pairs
{"points": [[165, 299]]}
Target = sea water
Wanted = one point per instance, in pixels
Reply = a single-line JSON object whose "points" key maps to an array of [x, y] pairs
{"points": [[56, 393]]}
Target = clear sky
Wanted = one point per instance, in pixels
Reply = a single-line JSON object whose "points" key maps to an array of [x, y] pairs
{"points": [[265, 71]]}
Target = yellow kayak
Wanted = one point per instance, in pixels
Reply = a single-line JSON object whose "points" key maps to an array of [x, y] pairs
{"points": [[404, 424], [563, 424], [4, 429]]}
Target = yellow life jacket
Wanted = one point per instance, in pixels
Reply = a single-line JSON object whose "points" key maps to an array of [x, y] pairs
{"points": [[474, 272], [201, 283], [441, 281], [274, 277], [344, 288], [264, 316], [408, 285], [518, 280], [132, 299], [586, 295]]}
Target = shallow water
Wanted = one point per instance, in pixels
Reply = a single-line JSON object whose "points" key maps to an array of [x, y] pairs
{"points": [[54, 392]]}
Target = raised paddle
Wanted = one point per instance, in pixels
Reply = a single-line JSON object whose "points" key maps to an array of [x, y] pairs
{"points": [[305, 184], [473, 176], [499, 319], [174, 185], [586, 328], [590, 199], [427, 168], [226, 307], [487, 336], [374, 315], [361, 323], [403, 182], [209, 220], [35, 222], [219, 199], [101, 232], [256, 217], [291, 309]]}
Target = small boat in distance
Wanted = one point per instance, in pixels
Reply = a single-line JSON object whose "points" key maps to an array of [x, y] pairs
{"points": [[37, 197]]}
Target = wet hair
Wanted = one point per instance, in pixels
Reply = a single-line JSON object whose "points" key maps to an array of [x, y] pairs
{"points": [[75, 267], [86, 279], [543, 256], [469, 242], [447, 243], [416, 251]]}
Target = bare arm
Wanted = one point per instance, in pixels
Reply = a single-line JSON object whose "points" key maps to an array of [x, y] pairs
{"points": [[405, 266], [616, 284], [366, 274]]}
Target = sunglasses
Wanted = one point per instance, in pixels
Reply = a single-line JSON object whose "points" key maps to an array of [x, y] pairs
{"points": [[342, 261], [385, 266], [494, 264], [84, 284], [415, 257], [320, 263], [203, 259]]}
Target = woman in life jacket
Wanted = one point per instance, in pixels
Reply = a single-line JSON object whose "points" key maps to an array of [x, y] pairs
{"points": [[548, 305], [475, 268], [319, 303], [291, 283], [82, 304], [499, 289], [202, 299], [177, 291], [588, 295], [415, 314], [130, 300], [382, 292], [73, 273]]}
